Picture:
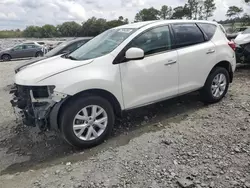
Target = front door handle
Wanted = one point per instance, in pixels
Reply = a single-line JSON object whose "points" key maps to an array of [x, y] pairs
{"points": [[170, 62], [210, 51]]}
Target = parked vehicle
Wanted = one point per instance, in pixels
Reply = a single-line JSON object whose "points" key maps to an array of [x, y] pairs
{"points": [[22, 51], [243, 47], [124, 68], [236, 32], [63, 48], [42, 44]]}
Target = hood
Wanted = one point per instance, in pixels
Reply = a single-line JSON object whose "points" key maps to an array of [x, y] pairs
{"points": [[242, 39], [43, 69], [25, 64]]}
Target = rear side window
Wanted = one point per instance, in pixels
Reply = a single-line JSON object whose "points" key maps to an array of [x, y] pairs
{"points": [[29, 46], [187, 34], [208, 29]]}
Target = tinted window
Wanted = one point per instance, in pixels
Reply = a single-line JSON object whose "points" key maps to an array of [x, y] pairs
{"points": [[29, 46], [208, 29], [153, 41], [74, 46], [187, 34], [19, 47], [71, 48]]}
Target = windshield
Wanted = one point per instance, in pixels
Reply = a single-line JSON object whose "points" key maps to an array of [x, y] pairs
{"points": [[102, 44], [247, 31]]}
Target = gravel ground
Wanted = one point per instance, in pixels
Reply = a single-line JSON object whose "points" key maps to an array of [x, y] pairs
{"points": [[176, 143]]}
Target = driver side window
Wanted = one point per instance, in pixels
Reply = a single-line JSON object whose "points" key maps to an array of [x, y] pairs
{"points": [[154, 41]]}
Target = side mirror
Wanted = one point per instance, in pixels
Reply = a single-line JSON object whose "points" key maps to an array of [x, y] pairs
{"points": [[134, 54]]}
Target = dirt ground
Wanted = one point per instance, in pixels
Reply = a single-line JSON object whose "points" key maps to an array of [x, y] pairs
{"points": [[175, 143]]}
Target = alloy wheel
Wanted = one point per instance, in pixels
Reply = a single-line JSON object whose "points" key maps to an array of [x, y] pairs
{"points": [[90, 122], [219, 85]]}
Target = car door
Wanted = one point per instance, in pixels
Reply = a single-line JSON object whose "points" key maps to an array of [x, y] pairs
{"points": [[155, 77], [17, 51], [29, 50], [196, 56]]}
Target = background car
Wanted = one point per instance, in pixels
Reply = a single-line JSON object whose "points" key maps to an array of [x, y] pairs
{"points": [[42, 44], [68, 46], [236, 32], [65, 47], [22, 51]]}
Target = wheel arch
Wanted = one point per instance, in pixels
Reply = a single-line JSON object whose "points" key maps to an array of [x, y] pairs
{"points": [[6, 54], [58, 108], [227, 66]]}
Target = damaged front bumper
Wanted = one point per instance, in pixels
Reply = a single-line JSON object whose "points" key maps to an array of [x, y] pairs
{"points": [[37, 105]]}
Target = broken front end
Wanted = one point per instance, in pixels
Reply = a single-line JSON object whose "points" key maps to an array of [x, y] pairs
{"points": [[37, 105]]}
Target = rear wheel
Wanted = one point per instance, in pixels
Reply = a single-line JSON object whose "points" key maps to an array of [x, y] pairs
{"points": [[216, 85], [87, 121], [6, 57], [39, 54]]}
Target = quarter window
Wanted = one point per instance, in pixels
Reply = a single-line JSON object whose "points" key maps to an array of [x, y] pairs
{"points": [[208, 29], [187, 34], [153, 41]]}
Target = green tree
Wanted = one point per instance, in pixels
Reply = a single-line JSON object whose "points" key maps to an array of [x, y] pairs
{"points": [[179, 12], [166, 12], [93, 26], [200, 10], [33, 31], [234, 12], [48, 31], [191, 9], [245, 19], [147, 14], [69, 29], [209, 8]]}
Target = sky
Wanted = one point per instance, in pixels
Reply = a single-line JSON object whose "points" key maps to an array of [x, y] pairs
{"points": [[22, 13]]}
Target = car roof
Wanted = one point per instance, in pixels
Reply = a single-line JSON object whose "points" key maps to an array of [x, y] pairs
{"points": [[138, 25]]}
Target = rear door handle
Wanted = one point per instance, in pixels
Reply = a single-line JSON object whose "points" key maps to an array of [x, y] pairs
{"points": [[210, 51], [170, 62]]}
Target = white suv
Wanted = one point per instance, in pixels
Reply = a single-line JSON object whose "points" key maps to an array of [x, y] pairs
{"points": [[121, 69]]}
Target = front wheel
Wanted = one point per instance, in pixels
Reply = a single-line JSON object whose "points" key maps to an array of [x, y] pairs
{"points": [[86, 121], [216, 85], [6, 57]]}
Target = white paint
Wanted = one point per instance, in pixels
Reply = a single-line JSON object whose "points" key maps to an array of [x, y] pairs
{"points": [[136, 82]]}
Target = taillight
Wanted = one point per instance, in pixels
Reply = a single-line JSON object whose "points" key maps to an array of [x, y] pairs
{"points": [[232, 45]]}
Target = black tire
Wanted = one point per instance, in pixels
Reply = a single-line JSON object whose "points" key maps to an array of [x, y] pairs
{"points": [[6, 57], [206, 92], [70, 110], [39, 54]]}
